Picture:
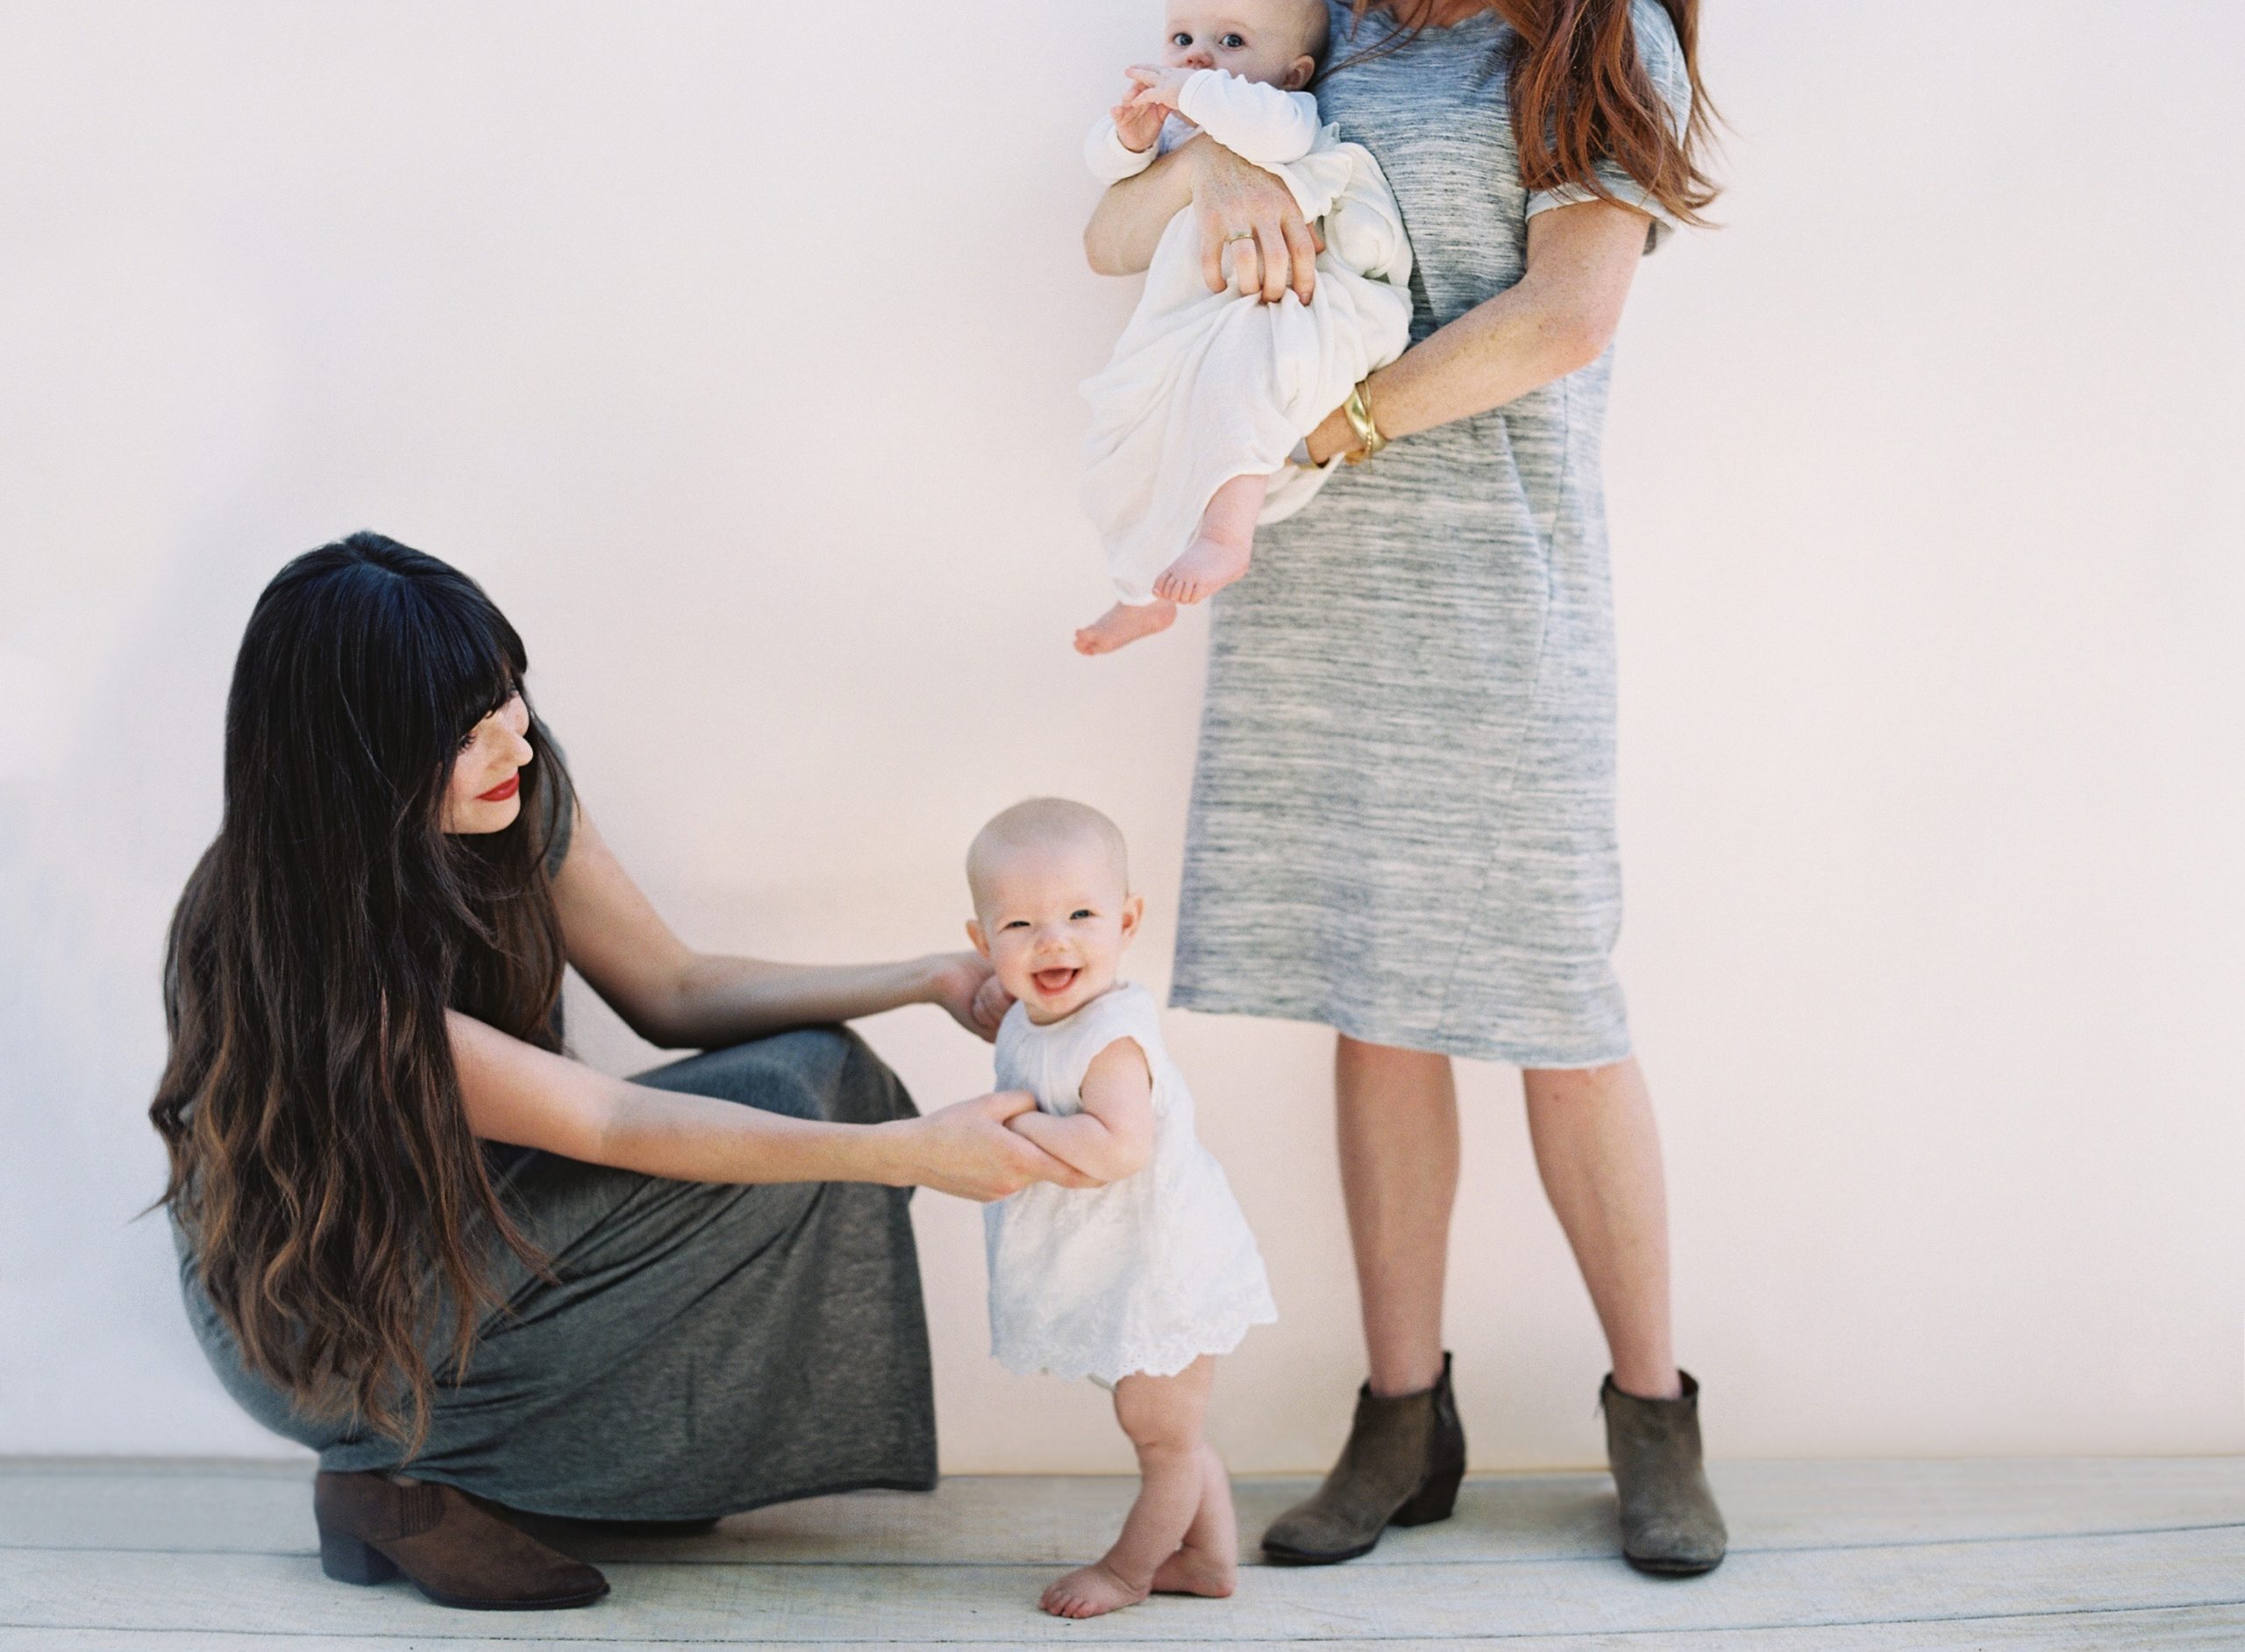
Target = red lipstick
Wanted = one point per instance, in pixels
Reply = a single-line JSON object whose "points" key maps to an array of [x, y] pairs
{"points": [[501, 792]]}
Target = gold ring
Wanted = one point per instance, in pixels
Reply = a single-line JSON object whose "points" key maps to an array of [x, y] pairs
{"points": [[1239, 235]]}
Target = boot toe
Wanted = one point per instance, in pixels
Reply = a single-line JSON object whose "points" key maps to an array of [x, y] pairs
{"points": [[1675, 1547], [1316, 1539]]}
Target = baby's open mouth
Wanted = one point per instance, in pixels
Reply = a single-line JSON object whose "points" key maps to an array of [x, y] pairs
{"points": [[1050, 982]]}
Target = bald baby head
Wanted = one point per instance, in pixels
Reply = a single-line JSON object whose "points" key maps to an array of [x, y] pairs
{"points": [[1043, 827]]}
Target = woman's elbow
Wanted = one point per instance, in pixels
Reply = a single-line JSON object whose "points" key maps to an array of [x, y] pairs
{"points": [[1578, 336], [659, 1011], [1099, 252]]}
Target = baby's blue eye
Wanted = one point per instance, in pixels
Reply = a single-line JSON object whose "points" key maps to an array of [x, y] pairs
{"points": [[1080, 912], [1181, 39], [1232, 42], [1017, 923]]}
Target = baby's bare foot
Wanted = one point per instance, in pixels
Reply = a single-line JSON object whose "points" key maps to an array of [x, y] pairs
{"points": [[1124, 623], [1090, 1591], [1208, 565], [1193, 1571]]}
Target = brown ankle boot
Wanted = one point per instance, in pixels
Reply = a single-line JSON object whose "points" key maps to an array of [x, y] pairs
{"points": [[373, 1526], [1670, 1523], [1401, 1467]]}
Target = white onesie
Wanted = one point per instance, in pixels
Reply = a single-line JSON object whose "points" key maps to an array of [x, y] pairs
{"points": [[1204, 387], [1145, 1274]]}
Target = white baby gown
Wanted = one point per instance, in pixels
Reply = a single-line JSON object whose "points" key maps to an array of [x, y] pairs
{"points": [[1204, 387], [1145, 1274]]}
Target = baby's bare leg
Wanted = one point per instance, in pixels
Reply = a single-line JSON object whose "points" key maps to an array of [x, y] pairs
{"points": [[1163, 1417], [1207, 1562], [1221, 551]]}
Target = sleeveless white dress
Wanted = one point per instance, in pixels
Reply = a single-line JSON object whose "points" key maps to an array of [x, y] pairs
{"points": [[1146, 1274]]}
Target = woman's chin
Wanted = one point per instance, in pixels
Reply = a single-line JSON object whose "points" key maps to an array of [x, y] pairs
{"points": [[478, 817]]}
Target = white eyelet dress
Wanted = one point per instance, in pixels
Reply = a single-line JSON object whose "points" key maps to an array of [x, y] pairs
{"points": [[1142, 1275]]}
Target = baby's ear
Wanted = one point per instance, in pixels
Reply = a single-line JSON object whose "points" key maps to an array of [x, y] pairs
{"points": [[1303, 70], [975, 934], [1134, 909]]}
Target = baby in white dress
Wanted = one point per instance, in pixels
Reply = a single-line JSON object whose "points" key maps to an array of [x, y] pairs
{"points": [[1197, 415], [1137, 1283]]}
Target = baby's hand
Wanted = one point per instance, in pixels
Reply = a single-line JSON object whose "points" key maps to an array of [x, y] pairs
{"points": [[1158, 85], [1138, 123]]}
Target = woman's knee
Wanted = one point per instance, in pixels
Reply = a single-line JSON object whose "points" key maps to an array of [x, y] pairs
{"points": [[827, 1073]]}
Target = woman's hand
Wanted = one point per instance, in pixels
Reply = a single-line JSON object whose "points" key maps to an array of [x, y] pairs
{"points": [[1251, 213], [966, 1150], [964, 984], [1334, 436]]}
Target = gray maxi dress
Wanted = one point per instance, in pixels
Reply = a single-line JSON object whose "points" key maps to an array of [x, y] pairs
{"points": [[706, 1348], [1402, 814]]}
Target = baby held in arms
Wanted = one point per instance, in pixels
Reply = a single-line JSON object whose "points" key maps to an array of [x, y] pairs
{"points": [[1137, 1283], [1197, 418]]}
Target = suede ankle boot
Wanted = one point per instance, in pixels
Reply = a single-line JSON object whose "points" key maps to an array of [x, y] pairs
{"points": [[1670, 1523], [373, 1526], [1402, 1466]]}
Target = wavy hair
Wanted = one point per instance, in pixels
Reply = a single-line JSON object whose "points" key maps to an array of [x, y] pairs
{"points": [[340, 1213], [1580, 95]]}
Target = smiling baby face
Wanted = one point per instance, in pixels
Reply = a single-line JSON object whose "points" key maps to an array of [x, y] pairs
{"points": [[1053, 909]]}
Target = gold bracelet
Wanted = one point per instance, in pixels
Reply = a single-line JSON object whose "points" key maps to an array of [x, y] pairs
{"points": [[1358, 411]]}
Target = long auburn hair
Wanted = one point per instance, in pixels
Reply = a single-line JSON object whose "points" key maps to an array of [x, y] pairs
{"points": [[340, 1213], [1579, 94]]}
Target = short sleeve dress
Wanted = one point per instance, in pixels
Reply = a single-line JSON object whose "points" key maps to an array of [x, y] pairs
{"points": [[1402, 815]]}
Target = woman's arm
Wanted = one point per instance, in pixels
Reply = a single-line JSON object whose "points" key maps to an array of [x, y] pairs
{"points": [[1114, 1135], [677, 998], [1558, 319], [1239, 205], [518, 1094]]}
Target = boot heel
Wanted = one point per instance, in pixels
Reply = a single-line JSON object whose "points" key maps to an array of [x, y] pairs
{"points": [[347, 1559], [1433, 1501]]}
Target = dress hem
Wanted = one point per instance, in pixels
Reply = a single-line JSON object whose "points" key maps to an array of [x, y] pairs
{"points": [[1105, 1375], [719, 1510], [1205, 1001]]}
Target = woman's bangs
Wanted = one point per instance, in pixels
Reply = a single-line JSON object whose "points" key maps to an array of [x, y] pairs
{"points": [[481, 672]]}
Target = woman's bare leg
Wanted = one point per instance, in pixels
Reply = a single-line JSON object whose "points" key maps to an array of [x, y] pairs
{"points": [[1598, 1149], [1221, 551], [1397, 1112], [1163, 1416]]}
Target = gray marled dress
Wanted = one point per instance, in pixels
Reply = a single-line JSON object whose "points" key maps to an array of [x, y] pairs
{"points": [[701, 1348], [1403, 818]]}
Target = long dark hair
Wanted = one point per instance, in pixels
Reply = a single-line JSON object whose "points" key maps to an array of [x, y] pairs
{"points": [[340, 1211], [1579, 94]]}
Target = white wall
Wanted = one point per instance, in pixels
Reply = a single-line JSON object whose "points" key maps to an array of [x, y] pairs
{"points": [[734, 347]]}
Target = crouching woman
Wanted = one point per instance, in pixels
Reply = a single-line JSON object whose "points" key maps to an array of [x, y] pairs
{"points": [[474, 1275]]}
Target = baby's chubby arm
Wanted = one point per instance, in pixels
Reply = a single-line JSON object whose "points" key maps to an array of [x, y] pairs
{"points": [[1266, 124], [1114, 1135]]}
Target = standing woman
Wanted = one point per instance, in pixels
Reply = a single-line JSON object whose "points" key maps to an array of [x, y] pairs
{"points": [[415, 1235], [1403, 818]]}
